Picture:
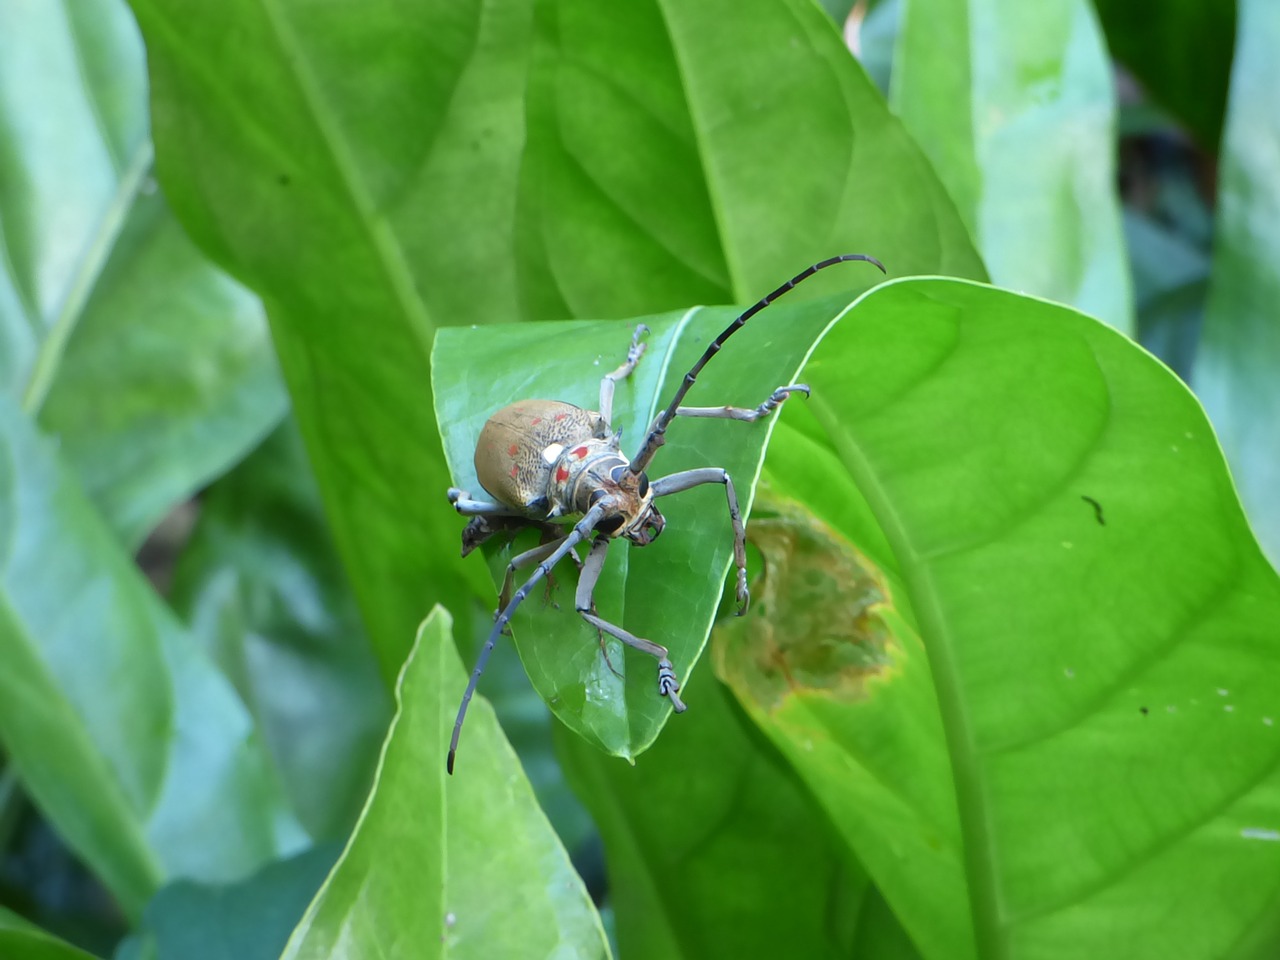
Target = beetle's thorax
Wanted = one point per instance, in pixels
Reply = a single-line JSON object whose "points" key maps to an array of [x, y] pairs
{"points": [[586, 472]]}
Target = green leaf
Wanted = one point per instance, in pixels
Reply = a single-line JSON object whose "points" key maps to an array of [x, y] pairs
{"points": [[1014, 105], [680, 825], [248, 920], [20, 940], [1180, 50], [126, 737], [463, 866], [683, 153], [1099, 622], [366, 206], [152, 369], [66, 185], [669, 592], [260, 584], [435, 190], [1236, 371], [168, 380]]}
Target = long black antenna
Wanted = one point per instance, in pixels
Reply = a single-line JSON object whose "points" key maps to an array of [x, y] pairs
{"points": [[655, 439]]}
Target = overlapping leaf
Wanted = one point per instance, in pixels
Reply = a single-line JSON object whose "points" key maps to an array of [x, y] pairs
{"points": [[370, 207], [1014, 105], [1101, 630], [669, 591], [128, 739], [1240, 353], [438, 866]]}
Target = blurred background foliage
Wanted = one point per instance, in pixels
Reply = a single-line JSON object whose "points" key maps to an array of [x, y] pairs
{"points": [[341, 165]]}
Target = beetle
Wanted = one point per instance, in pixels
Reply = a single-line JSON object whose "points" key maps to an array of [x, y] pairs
{"points": [[545, 462]]}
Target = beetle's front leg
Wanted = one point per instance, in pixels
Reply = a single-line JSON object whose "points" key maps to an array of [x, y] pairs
{"points": [[678, 482], [771, 403], [592, 567]]}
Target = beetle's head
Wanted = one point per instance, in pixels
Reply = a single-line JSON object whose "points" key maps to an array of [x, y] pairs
{"points": [[635, 515]]}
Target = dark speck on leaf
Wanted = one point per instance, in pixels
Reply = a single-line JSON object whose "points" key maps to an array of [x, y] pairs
{"points": [[283, 179], [1143, 710], [1097, 509]]}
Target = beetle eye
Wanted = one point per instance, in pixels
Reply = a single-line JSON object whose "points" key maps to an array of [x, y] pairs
{"points": [[644, 485], [609, 526]]}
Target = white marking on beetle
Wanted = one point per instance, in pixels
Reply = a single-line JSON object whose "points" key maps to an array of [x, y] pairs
{"points": [[551, 453]]}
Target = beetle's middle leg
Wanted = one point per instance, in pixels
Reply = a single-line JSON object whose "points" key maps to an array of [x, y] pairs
{"points": [[592, 567], [771, 403], [634, 353], [684, 480]]}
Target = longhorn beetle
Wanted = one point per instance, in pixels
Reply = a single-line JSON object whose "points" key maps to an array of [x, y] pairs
{"points": [[545, 460]]}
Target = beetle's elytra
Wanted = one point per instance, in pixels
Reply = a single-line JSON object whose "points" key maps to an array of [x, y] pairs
{"points": [[544, 461]]}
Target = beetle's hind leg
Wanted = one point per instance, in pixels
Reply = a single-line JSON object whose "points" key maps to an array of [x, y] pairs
{"points": [[668, 685], [610, 381]]}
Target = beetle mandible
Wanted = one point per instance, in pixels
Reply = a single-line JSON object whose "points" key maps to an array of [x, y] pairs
{"points": [[545, 461]]}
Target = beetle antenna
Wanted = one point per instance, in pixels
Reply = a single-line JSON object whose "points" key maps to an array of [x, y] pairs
{"points": [[655, 439], [581, 530]]}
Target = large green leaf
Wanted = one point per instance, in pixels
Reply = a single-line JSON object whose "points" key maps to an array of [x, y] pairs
{"points": [[1238, 367], [664, 164], [715, 849], [124, 734], [683, 153], [366, 206], [668, 592], [1013, 103], [1101, 628], [460, 867], [20, 940], [153, 369]]}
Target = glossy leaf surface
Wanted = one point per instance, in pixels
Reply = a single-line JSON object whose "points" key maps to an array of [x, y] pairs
{"points": [[683, 823], [370, 207], [122, 732], [151, 367], [1240, 352], [667, 592], [439, 866], [1013, 104], [1099, 622]]}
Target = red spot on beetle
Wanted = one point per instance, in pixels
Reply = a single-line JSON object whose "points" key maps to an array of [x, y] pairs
{"points": [[562, 474], [560, 416], [580, 452], [515, 472], [512, 450], [535, 421]]}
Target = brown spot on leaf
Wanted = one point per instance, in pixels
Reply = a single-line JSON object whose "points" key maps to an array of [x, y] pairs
{"points": [[815, 624]]}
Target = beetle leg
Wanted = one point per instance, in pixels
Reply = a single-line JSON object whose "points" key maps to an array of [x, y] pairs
{"points": [[592, 567], [678, 482], [610, 380], [579, 533], [463, 503], [742, 413], [519, 562]]}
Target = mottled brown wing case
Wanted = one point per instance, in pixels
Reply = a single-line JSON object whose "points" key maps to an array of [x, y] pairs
{"points": [[509, 455]]}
